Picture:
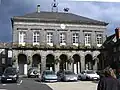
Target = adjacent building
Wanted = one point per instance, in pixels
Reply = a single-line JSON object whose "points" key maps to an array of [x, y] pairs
{"points": [[57, 41], [5, 56], [112, 50]]}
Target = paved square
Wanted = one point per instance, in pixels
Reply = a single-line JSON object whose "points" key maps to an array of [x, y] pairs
{"points": [[80, 85]]}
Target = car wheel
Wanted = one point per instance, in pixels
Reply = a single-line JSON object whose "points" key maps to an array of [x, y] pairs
{"points": [[28, 76], [2, 81]]}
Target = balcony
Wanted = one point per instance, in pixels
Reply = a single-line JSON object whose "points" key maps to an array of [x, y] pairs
{"points": [[54, 47]]}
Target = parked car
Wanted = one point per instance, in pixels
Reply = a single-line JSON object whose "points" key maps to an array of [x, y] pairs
{"points": [[49, 76], [89, 75], [10, 74], [81, 76], [67, 76], [33, 72]]}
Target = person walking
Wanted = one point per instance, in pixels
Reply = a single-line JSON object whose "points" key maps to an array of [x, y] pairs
{"points": [[109, 81]]}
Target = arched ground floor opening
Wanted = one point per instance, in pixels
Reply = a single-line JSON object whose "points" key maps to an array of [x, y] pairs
{"points": [[89, 62], [22, 64], [63, 62], [36, 61], [50, 62], [76, 64], [55, 60]]}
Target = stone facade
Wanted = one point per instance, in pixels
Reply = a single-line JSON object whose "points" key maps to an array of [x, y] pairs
{"points": [[79, 56]]}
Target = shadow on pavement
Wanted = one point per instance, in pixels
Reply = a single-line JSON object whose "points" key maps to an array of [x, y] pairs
{"points": [[95, 81], [43, 86]]}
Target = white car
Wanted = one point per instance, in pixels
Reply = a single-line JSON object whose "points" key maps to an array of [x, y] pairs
{"points": [[90, 75]]}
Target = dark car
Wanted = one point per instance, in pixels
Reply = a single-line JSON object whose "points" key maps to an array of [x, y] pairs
{"points": [[33, 72], [67, 76], [10, 75]]}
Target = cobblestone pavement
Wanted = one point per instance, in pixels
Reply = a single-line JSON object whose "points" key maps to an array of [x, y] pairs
{"points": [[80, 85]]}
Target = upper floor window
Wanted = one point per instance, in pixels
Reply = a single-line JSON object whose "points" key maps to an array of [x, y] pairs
{"points": [[75, 38], [99, 39], [62, 39], [49, 38], [87, 39], [22, 37], [3, 60], [36, 37]]}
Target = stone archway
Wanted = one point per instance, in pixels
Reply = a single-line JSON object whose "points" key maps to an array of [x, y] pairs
{"points": [[76, 64], [22, 63], [36, 61], [89, 62], [50, 62], [100, 62], [63, 62]]}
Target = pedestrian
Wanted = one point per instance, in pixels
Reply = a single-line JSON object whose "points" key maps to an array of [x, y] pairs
{"points": [[109, 81]]}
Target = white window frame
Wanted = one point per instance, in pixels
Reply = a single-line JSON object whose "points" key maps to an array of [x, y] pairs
{"points": [[75, 39], [87, 37], [62, 39], [50, 38], [99, 40], [36, 38], [22, 37]]}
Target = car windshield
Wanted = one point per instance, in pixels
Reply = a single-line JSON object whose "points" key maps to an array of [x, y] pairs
{"points": [[90, 72], [10, 71], [50, 73], [68, 73]]}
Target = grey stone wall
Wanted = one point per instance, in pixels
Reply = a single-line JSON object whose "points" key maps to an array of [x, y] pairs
{"points": [[56, 29]]}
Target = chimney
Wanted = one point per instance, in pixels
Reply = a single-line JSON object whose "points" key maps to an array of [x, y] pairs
{"points": [[117, 33], [38, 8]]}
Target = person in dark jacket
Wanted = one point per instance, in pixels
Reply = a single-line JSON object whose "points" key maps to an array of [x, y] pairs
{"points": [[109, 81]]}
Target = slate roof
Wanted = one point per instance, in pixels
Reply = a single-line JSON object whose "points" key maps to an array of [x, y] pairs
{"points": [[59, 17]]}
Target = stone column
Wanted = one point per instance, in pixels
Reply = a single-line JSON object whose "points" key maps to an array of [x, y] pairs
{"points": [[70, 66], [66, 65], [57, 67], [96, 64], [30, 58], [78, 67], [82, 63], [43, 63]]}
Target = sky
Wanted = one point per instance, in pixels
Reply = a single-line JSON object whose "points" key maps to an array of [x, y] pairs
{"points": [[102, 11]]}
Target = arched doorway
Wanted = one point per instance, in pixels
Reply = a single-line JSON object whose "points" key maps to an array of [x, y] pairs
{"points": [[76, 64], [101, 61], [88, 62], [50, 61], [63, 62], [36, 61], [22, 63]]}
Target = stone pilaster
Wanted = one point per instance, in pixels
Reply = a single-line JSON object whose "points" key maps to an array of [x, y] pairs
{"points": [[82, 63], [95, 67], [30, 58], [70, 66], [43, 63], [57, 67]]}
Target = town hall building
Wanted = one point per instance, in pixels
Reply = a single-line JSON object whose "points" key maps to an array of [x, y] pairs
{"points": [[57, 41]]}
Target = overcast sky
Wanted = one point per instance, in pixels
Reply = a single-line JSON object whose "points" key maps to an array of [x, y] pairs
{"points": [[103, 11]]}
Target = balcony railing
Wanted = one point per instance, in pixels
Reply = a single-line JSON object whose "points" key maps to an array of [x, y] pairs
{"points": [[54, 47]]}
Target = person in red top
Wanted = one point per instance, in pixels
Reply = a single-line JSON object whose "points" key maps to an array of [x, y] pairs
{"points": [[109, 81]]}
